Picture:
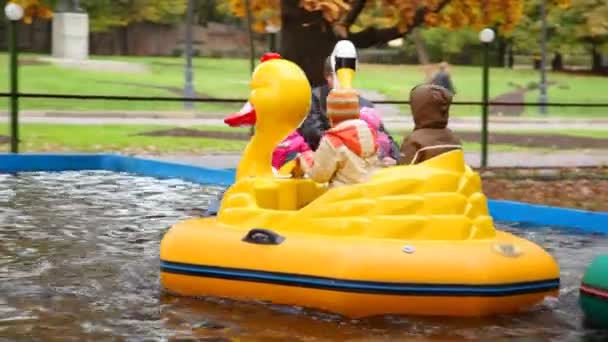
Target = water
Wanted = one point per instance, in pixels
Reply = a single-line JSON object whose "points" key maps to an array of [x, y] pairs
{"points": [[79, 261]]}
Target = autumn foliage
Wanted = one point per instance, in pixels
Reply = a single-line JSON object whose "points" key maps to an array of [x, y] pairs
{"points": [[33, 9], [403, 14]]}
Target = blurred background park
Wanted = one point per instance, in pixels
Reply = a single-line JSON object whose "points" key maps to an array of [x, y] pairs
{"points": [[79, 251], [140, 56]]}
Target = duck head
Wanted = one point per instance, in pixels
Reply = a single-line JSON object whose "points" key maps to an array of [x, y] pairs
{"points": [[247, 116], [344, 60], [280, 95], [279, 102]]}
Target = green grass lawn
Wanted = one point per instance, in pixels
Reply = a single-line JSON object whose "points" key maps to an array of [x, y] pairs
{"points": [[113, 138], [395, 81], [124, 138], [230, 78], [213, 78]]}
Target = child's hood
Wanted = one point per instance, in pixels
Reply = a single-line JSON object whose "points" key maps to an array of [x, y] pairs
{"points": [[371, 116], [356, 135], [430, 106]]}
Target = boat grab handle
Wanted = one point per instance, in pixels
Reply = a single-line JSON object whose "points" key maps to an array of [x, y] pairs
{"points": [[263, 237]]}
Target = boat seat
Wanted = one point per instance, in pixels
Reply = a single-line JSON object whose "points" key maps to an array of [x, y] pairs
{"points": [[287, 194]]}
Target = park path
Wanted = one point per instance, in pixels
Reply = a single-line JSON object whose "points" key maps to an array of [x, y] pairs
{"points": [[393, 122], [496, 159], [389, 111]]}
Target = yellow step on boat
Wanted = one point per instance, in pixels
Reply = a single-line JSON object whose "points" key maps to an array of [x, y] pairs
{"points": [[412, 240]]}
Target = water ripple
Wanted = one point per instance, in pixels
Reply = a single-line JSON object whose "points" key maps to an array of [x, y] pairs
{"points": [[79, 261]]}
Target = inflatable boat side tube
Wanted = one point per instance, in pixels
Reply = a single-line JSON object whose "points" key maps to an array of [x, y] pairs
{"points": [[340, 285]]}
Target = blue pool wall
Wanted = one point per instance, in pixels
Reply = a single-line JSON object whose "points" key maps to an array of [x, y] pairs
{"points": [[509, 211], [14, 163]]}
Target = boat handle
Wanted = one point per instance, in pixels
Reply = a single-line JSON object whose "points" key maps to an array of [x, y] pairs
{"points": [[263, 237]]}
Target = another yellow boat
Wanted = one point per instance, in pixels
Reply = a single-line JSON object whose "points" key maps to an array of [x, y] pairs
{"points": [[412, 240]]}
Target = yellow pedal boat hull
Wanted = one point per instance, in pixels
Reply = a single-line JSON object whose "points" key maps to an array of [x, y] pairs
{"points": [[410, 240], [358, 276]]}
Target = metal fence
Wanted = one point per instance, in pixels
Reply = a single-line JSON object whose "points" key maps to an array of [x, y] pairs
{"points": [[242, 100], [468, 106]]}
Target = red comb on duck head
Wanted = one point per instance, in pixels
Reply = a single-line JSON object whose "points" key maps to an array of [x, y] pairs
{"points": [[269, 55]]}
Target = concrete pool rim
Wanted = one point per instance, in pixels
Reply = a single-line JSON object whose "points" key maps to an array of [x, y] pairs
{"points": [[509, 211]]}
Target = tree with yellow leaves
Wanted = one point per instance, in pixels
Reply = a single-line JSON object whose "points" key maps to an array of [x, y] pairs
{"points": [[34, 9], [574, 26], [585, 22], [109, 13], [310, 28]]}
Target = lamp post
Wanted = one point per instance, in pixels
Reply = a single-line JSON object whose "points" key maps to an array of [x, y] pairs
{"points": [[250, 31], [272, 34], [14, 13], [486, 36], [543, 58], [189, 73]]}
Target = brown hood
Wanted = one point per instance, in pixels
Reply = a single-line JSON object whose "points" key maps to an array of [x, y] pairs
{"points": [[430, 106]]}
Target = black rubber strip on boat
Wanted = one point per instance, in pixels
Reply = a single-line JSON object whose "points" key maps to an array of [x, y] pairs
{"points": [[358, 286]]}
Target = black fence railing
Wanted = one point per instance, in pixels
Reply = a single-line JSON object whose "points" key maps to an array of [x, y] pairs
{"points": [[484, 106], [242, 100]]}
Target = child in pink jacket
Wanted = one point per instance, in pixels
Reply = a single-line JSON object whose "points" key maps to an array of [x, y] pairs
{"points": [[288, 149], [372, 117]]}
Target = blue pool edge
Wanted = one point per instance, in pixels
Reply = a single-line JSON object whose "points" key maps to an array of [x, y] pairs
{"points": [[509, 211], [15, 163]]}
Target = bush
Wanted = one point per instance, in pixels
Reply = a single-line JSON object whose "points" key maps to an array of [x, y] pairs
{"points": [[177, 52], [532, 85]]}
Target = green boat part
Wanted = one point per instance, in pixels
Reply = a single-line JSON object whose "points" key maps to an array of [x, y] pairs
{"points": [[594, 292]]}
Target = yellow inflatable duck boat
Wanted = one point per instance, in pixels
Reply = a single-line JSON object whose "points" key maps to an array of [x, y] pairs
{"points": [[412, 240]]}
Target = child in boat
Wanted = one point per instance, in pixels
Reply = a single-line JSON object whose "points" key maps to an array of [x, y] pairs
{"points": [[385, 146], [348, 152], [430, 106], [289, 149]]}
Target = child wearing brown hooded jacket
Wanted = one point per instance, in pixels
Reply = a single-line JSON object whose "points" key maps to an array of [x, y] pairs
{"points": [[430, 106]]}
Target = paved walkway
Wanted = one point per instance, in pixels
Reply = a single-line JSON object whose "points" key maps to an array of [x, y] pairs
{"points": [[496, 159], [387, 110], [393, 123]]}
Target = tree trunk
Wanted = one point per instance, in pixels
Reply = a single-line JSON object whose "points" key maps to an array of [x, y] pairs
{"points": [[558, 62], [421, 50], [596, 57], [3, 42], [511, 57], [124, 40], [537, 63], [48, 34], [502, 52], [306, 39]]}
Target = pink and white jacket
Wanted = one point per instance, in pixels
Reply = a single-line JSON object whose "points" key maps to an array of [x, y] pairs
{"points": [[372, 117], [289, 149], [347, 154]]}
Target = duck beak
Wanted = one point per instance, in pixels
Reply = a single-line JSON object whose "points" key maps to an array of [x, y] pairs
{"points": [[245, 117], [345, 77]]}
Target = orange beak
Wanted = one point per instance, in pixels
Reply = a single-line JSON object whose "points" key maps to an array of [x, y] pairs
{"points": [[245, 117]]}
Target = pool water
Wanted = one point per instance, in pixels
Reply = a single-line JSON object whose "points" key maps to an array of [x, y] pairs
{"points": [[79, 261]]}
